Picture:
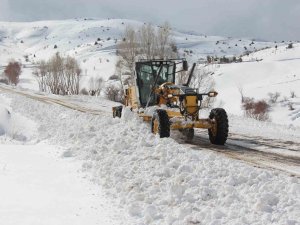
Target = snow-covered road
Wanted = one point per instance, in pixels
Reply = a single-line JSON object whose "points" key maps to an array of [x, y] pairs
{"points": [[270, 154], [39, 186], [257, 150]]}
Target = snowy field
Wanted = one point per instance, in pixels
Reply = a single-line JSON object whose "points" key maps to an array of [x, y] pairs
{"points": [[278, 71], [152, 180], [39, 186]]}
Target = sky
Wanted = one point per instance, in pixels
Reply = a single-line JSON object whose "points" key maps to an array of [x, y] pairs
{"points": [[260, 19]]}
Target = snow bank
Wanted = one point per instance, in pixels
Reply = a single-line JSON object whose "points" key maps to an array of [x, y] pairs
{"points": [[4, 119], [14, 126], [162, 182]]}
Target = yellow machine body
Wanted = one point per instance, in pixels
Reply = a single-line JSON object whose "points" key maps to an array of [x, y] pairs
{"points": [[176, 106]]}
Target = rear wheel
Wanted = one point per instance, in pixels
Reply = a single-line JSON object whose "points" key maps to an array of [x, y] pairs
{"points": [[117, 112], [219, 132], [160, 123]]}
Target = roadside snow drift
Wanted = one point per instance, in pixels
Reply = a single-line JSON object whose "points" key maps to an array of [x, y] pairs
{"points": [[4, 119], [15, 126], [159, 181], [39, 187]]}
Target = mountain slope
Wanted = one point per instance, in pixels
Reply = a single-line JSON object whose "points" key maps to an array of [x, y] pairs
{"points": [[278, 71], [77, 38], [93, 44]]}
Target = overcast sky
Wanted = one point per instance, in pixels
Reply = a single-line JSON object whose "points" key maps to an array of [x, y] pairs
{"points": [[265, 19]]}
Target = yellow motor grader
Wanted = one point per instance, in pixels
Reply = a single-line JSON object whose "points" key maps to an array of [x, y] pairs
{"points": [[171, 106]]}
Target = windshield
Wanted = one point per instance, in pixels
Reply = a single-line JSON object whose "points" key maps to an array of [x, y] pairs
{"points": [[146, 74]]}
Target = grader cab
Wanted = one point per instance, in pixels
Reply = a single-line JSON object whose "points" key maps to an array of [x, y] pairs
{"points": [[172, 106]]}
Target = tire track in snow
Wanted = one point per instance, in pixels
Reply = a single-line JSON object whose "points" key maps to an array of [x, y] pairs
{"points": [[289, 164]]}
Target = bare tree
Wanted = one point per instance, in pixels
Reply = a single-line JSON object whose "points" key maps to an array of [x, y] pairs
{"points": [[293, 94], [202, 79], [128, 48], [40, 73], [164, 44], [273, 97], [12, 72], [146, 43], [147, 39], [59, 75], [204, 82], [241, 91]]}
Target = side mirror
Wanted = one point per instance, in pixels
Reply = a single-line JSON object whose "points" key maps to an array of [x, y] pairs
{"points": [[185, 66]]}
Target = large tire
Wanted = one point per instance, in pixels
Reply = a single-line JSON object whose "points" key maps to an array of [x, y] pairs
{"points": [[160, 123], [117, 112], [219, 133]]}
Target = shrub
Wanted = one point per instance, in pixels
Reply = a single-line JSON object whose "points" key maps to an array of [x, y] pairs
{"points": [[114, 77], [290, 45], [273, 97], [84, 92], [59, 75], [12, 72], [258, 110], [114, 93], [293, 94], [3, 80], [291, 107]]}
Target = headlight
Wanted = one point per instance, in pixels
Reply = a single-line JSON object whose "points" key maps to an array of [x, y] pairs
{"points": [[212, 94]]}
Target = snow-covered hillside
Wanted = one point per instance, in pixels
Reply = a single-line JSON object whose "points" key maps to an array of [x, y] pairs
{"points": [[268, 71], [93, 43], [77, 38]]}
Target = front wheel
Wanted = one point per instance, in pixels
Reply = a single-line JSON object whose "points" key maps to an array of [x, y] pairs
{"points": [[219, 132], [160, 123]]}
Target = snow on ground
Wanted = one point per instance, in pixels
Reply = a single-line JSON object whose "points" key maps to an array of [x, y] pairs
{"points": [[277, 72], [40, 187], [43, 184], [263, 129], [158, 181]]}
